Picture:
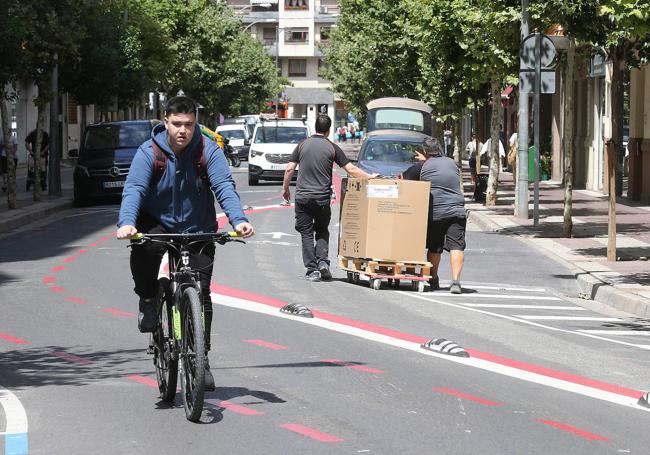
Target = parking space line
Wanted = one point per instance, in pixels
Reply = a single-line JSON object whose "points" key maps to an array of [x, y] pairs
{"points": [[566, 318], [642, 333], [524, 307]]}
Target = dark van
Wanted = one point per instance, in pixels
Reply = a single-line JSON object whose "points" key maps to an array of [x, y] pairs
{"points": [[105, 156]]}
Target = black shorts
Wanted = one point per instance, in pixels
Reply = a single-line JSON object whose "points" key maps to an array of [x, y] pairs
{"points": [[447, 234]]}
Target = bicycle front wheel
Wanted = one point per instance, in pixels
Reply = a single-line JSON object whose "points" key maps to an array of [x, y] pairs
{"points": [[164, 357], [192, 354]]}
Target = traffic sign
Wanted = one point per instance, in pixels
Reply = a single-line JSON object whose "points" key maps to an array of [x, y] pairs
{"points": [[528, 53], [527, 81]]}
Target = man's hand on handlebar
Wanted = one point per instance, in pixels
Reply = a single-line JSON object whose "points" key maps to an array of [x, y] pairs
{"points": [[126, 231], [244, 229]]}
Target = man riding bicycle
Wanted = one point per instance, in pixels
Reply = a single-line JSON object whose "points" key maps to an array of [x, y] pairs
{"points": [[177, 199]]}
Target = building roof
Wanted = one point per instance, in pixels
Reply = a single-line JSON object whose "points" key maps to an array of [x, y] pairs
{"points": [[309, 95]]}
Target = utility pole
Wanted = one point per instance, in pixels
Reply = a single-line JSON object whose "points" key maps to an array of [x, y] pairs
{"points": [[54, 168], [521, 193], [538, 89]]}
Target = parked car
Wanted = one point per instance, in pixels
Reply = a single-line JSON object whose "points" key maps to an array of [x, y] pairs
{"points": [[390, 152], [237, 136], [105, 156], [273, 142]]}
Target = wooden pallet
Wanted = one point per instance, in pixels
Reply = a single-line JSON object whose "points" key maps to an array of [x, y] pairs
{"points": [[394, 271]]}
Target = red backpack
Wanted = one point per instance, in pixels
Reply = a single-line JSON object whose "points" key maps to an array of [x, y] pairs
{"points": [[198, 158]]}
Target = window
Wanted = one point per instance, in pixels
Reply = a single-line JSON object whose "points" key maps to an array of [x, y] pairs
{"points": [[296, 35], [269, 34], [298, 68], [296, 4], [280, 134], [117, 136], [402, 119], [325, 33]]}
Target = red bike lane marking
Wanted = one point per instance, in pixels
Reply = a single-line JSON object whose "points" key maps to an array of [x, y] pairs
{"points": [[57, 268], [236, 408], [118, 313], [143, 380], [12, 339], [519, 365], [71, 357], [48, 279], [354, 366], [574, 430], [70, 259], [57, 289], [310, 432], [267, 344], [77, 300], [467, 396]]}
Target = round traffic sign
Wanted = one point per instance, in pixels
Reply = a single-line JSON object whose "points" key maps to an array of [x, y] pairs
{"points": [[529, 52]]}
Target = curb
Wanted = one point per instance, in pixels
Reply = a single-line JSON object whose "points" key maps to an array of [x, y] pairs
{"points": [[33, 213], [591, 288]]}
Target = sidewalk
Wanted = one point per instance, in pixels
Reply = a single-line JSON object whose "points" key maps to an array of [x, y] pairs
{"points": [[27, 210], [624, 284]]}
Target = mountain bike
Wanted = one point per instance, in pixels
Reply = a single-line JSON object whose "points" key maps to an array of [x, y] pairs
{"points": [[179, 335]]}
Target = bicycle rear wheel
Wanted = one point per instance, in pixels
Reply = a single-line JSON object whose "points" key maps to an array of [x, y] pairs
{"points": [[192, 355], [166, 364]]}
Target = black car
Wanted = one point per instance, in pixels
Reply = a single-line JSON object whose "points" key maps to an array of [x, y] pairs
{"points": [[105, 156]]}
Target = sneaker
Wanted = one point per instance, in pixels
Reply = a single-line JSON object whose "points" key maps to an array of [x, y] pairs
{"points": [[147, 317], [434, 283], [209, 379], [324, 269], [455, 287], [314, 275]]}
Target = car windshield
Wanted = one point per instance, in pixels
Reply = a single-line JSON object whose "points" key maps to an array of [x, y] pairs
{"points": [[233, 134], [390, 151], [280, 134], [103, 137]]}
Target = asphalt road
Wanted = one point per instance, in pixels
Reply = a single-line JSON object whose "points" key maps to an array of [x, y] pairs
{"points": [[548, 373]]}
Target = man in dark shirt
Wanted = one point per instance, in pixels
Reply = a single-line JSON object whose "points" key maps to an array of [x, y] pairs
{"points": [[316, 156], [447, 217]]}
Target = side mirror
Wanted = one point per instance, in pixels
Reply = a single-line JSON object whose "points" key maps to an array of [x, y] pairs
{"points": [[74, 153], [247, 142]]}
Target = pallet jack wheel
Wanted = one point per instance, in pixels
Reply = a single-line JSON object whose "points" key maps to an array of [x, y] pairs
{"points": [[350, 277], [375, 284]]}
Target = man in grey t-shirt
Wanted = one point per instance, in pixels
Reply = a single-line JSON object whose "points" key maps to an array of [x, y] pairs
{"points": [[447, 219], [316, 156]]}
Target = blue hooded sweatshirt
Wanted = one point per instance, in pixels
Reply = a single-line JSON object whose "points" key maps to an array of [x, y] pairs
{"points": [[180, 201]]}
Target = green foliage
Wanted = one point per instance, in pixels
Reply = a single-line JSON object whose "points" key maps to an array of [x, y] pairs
{"points": [[11, 38]]}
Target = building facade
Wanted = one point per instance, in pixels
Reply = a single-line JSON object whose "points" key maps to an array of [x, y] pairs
{"points": [[292, 32]]}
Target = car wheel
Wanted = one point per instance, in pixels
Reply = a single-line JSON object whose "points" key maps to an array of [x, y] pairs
{"points": [[252, 181]]}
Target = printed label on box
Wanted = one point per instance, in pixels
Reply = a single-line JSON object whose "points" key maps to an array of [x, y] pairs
{"points": [[383, 191]]}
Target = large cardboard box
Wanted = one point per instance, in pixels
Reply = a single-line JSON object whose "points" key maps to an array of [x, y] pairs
{"points": [[384, 219]]}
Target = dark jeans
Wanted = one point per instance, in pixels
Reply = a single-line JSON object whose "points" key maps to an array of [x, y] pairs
{"points": [[312, 222], [145, 265]]}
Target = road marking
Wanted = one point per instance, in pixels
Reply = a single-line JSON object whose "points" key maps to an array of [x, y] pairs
{"points": [[57, 289], [12, 339], [236, 408], [48, 279], [497, 296], [143, 380], [485, 361], [566, 318], [77, 300], [277, 235], [571, 429], [57, 268], [502, 288], [467, 396], [266, 344], [310, 432], [642, 333], [527, 307], [354, 366], [522, 321], [71, 357], [118, 313], [16, 441]]}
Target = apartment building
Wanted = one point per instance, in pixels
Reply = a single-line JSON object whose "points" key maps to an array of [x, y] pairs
{"points": [[292, 32]]}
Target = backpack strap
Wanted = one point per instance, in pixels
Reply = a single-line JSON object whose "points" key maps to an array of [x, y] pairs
{"points": [[200, 162], [159, 163]]}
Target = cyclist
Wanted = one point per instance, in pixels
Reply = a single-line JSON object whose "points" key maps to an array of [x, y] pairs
{"points": [[180, 201]]}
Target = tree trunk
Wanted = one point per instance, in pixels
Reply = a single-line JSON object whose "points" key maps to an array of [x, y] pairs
{"points": [[36, 152], [82, 127], [495, 161], [568, 139], [10, 152]]}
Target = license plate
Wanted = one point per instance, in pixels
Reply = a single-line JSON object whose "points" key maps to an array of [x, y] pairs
{"points": [[118, 184], [278, 167]]}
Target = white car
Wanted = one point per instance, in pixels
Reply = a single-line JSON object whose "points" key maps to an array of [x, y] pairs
{"points": [[237, 136], [273, 143]]}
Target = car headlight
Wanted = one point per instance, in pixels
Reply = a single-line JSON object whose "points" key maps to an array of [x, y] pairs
{"points": [[255, 153]]}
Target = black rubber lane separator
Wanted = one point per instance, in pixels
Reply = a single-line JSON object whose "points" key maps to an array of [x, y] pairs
{"points": [[297, 309], [644, 400], [444, 346]]}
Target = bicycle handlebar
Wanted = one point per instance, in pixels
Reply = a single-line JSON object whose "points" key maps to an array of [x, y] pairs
{"points": [[219, 237]]}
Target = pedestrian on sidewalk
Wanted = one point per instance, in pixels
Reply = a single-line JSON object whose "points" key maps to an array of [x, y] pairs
{"points": [[4, 164], [30, 144], [447, 217], [470, 148], [316, 156]]}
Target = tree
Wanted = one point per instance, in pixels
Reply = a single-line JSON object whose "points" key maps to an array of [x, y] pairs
{"points": [[48, 37], [11, 37]]}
